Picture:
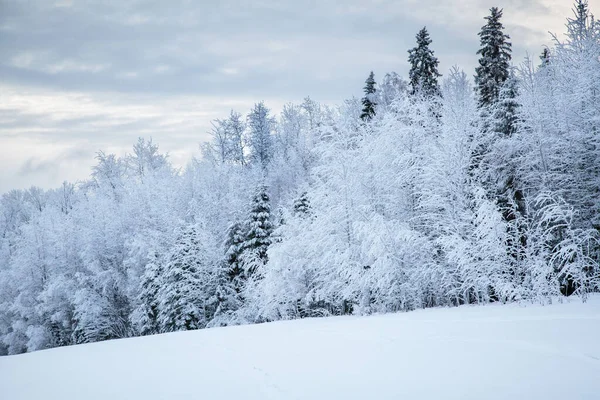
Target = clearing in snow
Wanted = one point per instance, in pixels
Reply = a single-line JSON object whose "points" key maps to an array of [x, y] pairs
{"points": [[471, 352]]}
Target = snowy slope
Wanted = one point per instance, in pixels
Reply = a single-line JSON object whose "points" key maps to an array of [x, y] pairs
{"points": [[490, 352]]}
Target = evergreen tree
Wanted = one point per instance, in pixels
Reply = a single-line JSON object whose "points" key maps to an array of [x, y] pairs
{"points": [[302, 206], [234, 248], [423, 72], [261, 141], [545, 57], [260, 228], [505, 110], [145, 317], [368, 111], [182, 292], [494, 63]]}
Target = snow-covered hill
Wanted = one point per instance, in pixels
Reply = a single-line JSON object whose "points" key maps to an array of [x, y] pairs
{"points": [[487, 352]]}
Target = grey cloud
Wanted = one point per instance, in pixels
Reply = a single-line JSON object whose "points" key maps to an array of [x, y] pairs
{"points": [[162, 49], [50, 166], [166, 68]]}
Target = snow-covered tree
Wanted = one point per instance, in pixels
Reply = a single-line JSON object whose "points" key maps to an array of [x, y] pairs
{"points": [[145, 158], [228, 140], [369, 100], [390, 89], [302, 205], [234, 248], [145, 317], [261, 125], [423, 72], [494, 61], [258, 234], [186, 294]]}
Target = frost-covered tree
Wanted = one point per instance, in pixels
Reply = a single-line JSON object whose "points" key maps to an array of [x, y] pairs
{"points": [[261, 125], [558, 156], [391, 88], [423, 72], [259, 230], [369, 100], [494, 62], [185, 296], [234, 248], [236, 138], [228, 140], [108, 173], [302, 205], [504, 112], [145, 317], [580, 27], [145, 158]]}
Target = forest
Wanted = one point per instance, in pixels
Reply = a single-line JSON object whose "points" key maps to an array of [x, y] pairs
{"points": [[431, 191]]}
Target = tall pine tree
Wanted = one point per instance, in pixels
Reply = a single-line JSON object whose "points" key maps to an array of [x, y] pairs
{"points": [[494, 63], [423, 72], [368, 102]]}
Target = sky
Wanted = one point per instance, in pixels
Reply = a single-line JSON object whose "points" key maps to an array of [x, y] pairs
{"points": [[80, 76]]}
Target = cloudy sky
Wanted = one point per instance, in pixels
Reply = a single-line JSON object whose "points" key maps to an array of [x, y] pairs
{"points": [[78, 76]]}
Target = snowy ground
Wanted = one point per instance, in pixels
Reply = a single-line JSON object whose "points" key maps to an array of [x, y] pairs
{"points": [[492, 352]]}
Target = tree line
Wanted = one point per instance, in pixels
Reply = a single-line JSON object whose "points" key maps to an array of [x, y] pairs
{"points": [[426, 192]]}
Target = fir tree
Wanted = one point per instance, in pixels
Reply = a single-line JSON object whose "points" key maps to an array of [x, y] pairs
{"points": [[181, 295], [494, 63], [368, 102], [260, 228], [423, 72], [146, 315]]}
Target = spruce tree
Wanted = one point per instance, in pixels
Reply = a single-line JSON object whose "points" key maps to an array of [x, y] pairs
{"points": [[368, 102], [494, 63], [258, 237], [423, 72], [181, 295]]}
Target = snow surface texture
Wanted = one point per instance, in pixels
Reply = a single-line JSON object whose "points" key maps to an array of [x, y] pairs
{"points": [[471, 352]]}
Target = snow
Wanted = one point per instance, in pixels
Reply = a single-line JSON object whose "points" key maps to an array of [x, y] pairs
{"points": [[471, 352]]}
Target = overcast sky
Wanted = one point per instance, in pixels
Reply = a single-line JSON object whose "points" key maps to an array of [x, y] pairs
{"points": [[78, 76]]}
